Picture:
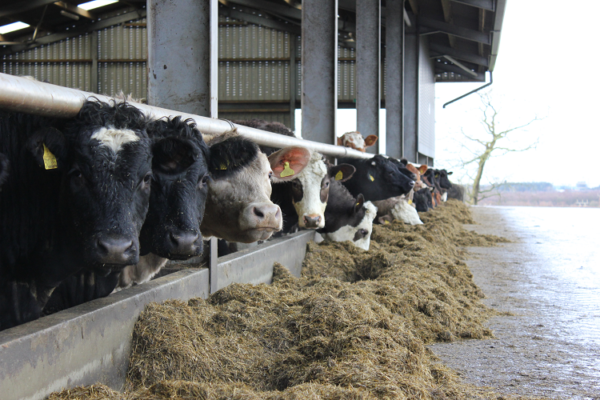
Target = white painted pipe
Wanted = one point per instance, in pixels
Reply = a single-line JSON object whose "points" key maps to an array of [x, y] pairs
{"points": [[34, 97]]}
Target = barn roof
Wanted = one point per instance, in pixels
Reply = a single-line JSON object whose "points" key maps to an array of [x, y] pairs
{"points": [[464, 35]]}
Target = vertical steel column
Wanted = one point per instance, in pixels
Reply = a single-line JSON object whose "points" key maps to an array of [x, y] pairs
{"points": [[180, 54], [319, 70], [368, 58], [293, 81], [94, 73], [183, 64], [411, 96], [394, 78]]}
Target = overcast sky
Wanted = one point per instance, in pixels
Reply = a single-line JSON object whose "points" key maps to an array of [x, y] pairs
{"points": [[547, 67]]}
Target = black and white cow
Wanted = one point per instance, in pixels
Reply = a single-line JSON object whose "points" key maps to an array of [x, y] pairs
{"points": [[302, 198], [172, 226], [377, 178], [348, 217], [77, 196]]}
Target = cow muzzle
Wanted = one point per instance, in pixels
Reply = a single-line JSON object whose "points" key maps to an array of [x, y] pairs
{"points": [[183, 245], [117, 250], [260, 220], [312, 221]]}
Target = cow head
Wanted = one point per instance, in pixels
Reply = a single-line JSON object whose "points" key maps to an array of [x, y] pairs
{"points": [[179, 190], [442, 178], [238, 207], [355, 225], [310, 187], [4, 165], [355, 141], [105, 157], [377, 178]]}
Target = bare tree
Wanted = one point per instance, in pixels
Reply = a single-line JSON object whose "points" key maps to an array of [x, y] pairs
{"points": [[488, 144]]}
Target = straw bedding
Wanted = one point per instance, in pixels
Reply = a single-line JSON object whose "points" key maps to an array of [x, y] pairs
{"points": [[354, 326]]}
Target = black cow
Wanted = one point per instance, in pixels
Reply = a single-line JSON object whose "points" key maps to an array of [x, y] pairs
{"points": [[422, 199], [172, 226], [77, 196], [4, 165], [377, 178]]}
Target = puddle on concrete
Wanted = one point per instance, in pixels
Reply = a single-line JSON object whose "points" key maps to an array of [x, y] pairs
{"points": [[549, 278]]}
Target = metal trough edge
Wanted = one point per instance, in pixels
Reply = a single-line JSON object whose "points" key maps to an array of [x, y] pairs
{"points": [[91, 343]]}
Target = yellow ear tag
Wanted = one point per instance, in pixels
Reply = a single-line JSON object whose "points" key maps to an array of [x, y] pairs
{"points": [[287, 171], [409, 202], [437, 175], [49, 159], [386, 222], [371, 178], [222, 167], [339, 176]]}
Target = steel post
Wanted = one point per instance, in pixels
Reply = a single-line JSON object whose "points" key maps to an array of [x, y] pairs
{"points": [[368, 79], [180, 54], [394, 78], [411, 97], [319, 70]]}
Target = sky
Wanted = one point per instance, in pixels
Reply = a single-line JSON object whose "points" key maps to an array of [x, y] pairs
{"points": [[546, 69]]}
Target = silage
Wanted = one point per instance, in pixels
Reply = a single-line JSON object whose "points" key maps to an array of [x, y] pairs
{"points": [[354, 326]]}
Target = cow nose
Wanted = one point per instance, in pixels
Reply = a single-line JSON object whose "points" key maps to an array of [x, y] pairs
{"points": [[117, 250], [412, 183], [184, 243], [312, 221], [266, 209]]}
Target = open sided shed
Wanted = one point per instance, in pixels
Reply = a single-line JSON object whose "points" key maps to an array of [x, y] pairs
{"points": [[389, 54]]}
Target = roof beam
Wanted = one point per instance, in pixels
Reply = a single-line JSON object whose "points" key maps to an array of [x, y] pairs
{"points": [[483, 4], [429, 26], [440, 66], [80, 30], [22, 6], [75, 10], [442, 50], [271, 8], [447, 9]]}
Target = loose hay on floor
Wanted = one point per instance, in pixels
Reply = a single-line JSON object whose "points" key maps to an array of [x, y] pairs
{"points": [[354, 326]]}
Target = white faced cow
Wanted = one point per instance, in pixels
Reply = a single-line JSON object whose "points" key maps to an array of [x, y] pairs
{"points": [[355, 141]]}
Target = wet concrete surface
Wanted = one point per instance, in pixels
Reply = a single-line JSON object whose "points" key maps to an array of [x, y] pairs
{"points": [[549, 279]]}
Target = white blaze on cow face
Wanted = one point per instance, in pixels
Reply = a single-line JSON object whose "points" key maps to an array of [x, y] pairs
{"points": [[113, 138], [349, 232], [406, 213]]}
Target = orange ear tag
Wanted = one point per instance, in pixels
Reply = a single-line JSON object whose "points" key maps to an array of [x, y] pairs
{"points": [[49, 159], [371, 178], [287, 171], [339, 176]]}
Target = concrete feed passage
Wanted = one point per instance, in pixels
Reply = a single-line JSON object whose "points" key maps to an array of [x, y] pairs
{"points": [[549, 278]]}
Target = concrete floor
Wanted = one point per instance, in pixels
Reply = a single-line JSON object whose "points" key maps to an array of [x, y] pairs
{"points": [[549, 278]]}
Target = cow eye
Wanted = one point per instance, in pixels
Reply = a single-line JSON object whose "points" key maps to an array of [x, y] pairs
{"points": [[203, 181], [148, 177], [77, 176]]}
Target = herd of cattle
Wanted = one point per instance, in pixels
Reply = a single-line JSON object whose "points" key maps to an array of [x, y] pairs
{"points": [[102, 201]]}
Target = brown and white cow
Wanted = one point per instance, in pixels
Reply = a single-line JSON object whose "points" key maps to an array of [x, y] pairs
{"points": [[355, 141]]}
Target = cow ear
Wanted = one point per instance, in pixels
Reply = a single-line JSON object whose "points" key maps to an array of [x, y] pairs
{"points": [[340, 141], [341, 172], [423, 169], [360, 202], [450, 173], [370, 140], [404, 161], [173, 155], [49, 148], [288, 162]]}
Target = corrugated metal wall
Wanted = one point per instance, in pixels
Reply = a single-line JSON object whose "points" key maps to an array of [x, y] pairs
{"points": [[254, 67], [426, 132]]}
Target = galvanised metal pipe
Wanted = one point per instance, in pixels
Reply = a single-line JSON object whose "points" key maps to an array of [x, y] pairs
{"points": [[30, 96]]}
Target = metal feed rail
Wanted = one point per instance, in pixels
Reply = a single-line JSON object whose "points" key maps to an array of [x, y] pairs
{"points": [[34, 97]]}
